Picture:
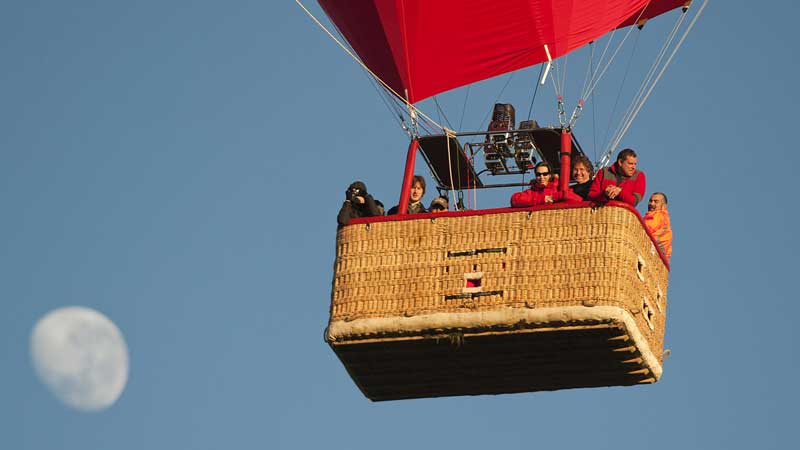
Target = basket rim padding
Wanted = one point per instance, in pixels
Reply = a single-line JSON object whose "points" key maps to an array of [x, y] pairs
{"points": [[481, 212]]}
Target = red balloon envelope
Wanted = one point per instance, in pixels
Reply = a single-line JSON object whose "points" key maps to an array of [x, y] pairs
{"points": [[420, 48]]}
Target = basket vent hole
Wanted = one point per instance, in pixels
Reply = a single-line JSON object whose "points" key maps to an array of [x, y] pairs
{"points": [[647, 312], [474, 267], [504, 265], [639, 268], [473, 283], [659, 298]]}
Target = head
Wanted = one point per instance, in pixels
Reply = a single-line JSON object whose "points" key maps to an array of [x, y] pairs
{"points": [[439, 204], [356, 189], [542, 173], [657, 202], [417, 188], [582, 169], [626, 162]]}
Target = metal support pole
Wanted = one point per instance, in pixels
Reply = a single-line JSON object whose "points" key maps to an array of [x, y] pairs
{"points": [[408, 177], [566, 154]]}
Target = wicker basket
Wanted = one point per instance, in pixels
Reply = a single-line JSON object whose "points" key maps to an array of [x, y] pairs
{"points": [[498, 301]]}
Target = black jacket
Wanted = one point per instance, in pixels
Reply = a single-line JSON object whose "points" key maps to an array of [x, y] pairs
{"points": [[413, 208], [352, 210], [582, 189]]}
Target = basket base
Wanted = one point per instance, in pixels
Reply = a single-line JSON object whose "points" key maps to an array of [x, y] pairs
{"points": [[495, 362]]}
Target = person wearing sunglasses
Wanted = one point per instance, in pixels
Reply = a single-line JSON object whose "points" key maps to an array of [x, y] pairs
{"points": [[544, 188], [622, 181], [358, 203]]}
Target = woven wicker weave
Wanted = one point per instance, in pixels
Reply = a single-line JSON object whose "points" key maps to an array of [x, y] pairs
{"points": [[588, 282]]}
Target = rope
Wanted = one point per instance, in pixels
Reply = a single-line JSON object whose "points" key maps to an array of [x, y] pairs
{"points": [[594, 118], [589, 68], [535, 90], [508, 80], [388, 101], [651, 72], [638, 108], [648, 79], [364, 66], [441, 112], [450, 134], [597, 79], [619, 93], [464, 108], [564, 77]]}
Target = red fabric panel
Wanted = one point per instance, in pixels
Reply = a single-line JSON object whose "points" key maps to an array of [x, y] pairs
{"points": [[431, 46], [654, 8]]}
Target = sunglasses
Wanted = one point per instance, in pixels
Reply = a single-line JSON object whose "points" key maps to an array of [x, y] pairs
{"points": [[542, 174]]}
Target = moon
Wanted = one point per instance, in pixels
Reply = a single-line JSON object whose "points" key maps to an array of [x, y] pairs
{"points": [[81, 356]]}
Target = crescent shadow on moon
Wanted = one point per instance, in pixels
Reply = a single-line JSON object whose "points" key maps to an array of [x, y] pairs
{"points": [[81, 356]]}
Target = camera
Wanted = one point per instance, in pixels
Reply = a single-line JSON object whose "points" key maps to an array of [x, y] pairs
{"points": [[354, 192]]}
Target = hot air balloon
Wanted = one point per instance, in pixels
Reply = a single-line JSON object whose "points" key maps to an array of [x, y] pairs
{"points": [[491, 301]]}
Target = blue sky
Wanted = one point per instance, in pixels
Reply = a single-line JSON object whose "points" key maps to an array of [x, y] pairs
{"points": [[179, 168]]}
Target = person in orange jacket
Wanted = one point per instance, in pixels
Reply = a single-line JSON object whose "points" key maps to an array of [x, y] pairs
{"points": [[620, 182], [657, 222], [544, 188]]}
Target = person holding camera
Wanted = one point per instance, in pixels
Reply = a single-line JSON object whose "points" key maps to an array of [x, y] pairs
{"points": [[358, 203]]}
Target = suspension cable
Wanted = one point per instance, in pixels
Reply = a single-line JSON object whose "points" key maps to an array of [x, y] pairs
{"points": [[535, 90], [564, 77], [441, 112], [413, 109], [596, 79], [598, 75], [464, 108], [594, 104], [508, 80], [619, 93], [589, 67], [621, 134], [651, 72], [389, 101]]}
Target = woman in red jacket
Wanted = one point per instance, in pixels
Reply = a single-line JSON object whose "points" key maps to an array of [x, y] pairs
{"points": [[544, 188]]}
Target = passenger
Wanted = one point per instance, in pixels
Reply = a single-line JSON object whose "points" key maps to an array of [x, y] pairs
{"points": [[582, 173], [621, 181], [415, 205], [358, 203], [657, 222], [544, 188], [439, 204]]}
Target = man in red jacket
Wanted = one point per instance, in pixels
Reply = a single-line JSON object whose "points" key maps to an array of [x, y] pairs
{"points": [[544, 188], [620, 182]]}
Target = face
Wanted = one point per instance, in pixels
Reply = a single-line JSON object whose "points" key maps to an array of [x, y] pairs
{"points": [[542, 175], [580, 173], [628, 166], [416, 192], [656, 203]]}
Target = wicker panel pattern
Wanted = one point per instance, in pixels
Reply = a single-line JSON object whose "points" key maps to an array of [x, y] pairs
{"points": [[528, 259]]}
